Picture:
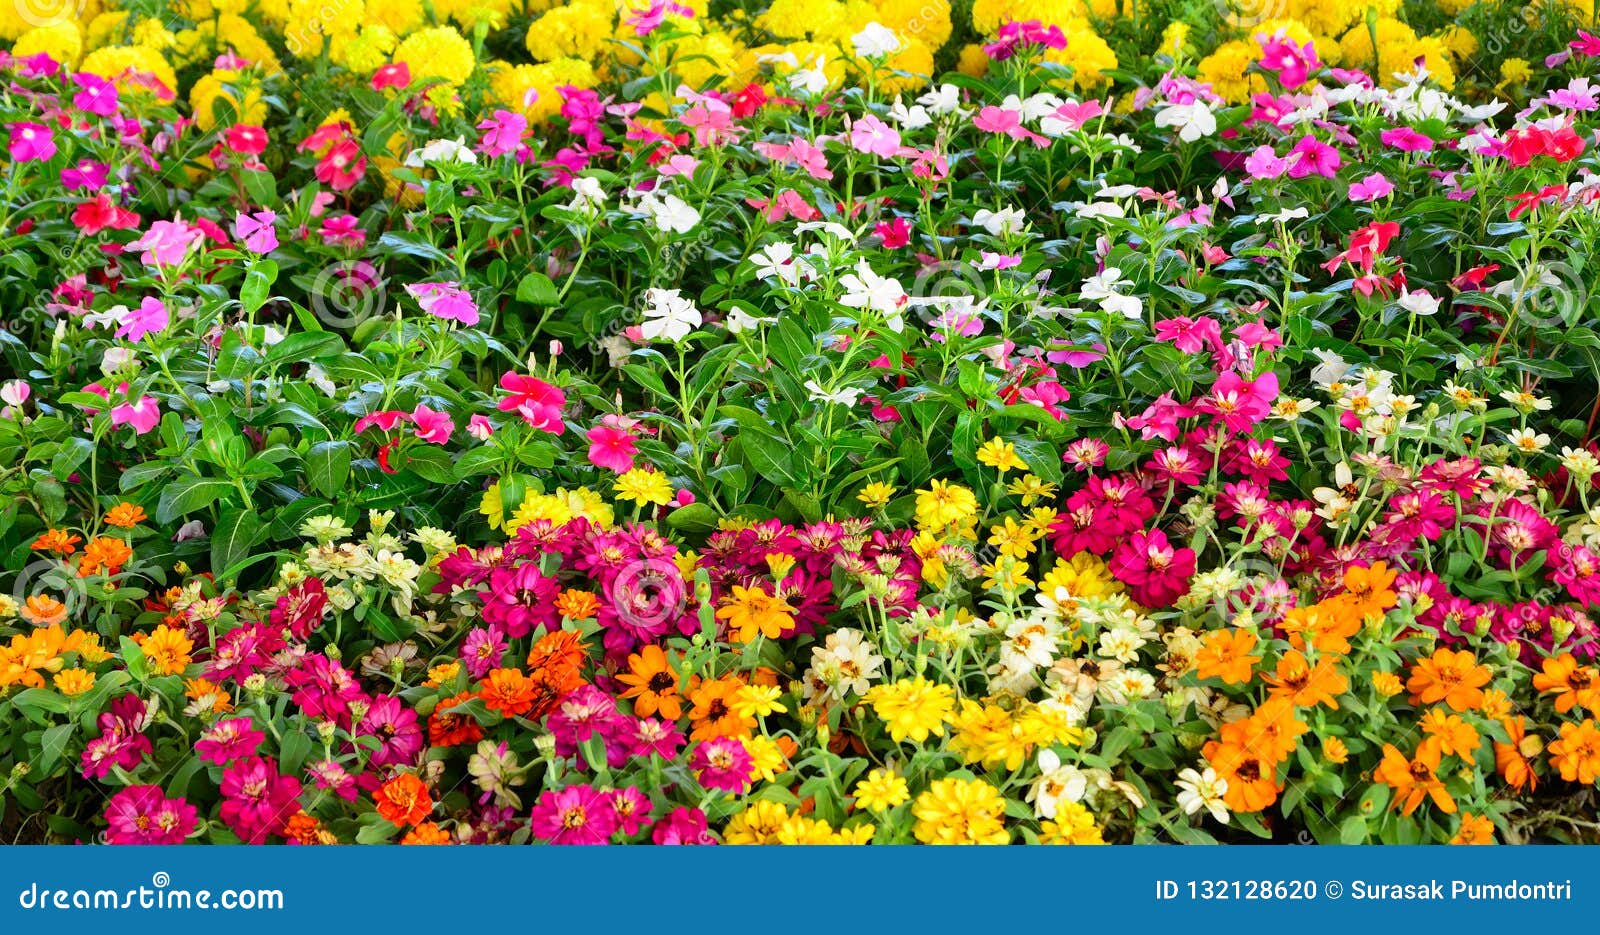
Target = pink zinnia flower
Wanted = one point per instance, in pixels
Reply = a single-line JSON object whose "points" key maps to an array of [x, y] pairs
{"points": [[229, 739], [722, 763], [683, 825], [143, 815], [1156, 573], [578, 814], [256, 800], [398, 731]]}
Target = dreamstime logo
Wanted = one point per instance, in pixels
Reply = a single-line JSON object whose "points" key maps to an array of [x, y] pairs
{"points": [[347, 293], [58, 580], [1546, 295], [946, 285], [38, 13], [1248, 13], [649, 594]]}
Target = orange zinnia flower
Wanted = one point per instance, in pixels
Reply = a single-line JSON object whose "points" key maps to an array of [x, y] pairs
{"points": [[1577, 752], [125, 515], [166, 649], [426, 833], [1226, 655], [1369, 589], [303, 829], [713, 713], [556, 660], [1456, 737], [1452, 677], [752, 611], [1272, 731], [509, 692], [208, 695], [403, 800], [1305, 686], [577, 605], [58, 541], [652, 684], [42, 610], [447, 729], [1572, 684], [1475, 829], [103, 553], [1252, 781], [1327, 626], [1514, 759], [1415, 779]]}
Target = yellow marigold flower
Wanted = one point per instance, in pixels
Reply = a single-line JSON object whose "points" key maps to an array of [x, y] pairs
{"points": [[643, 485], [438, 52], [1089, 56], [492, 507], [912, 708], [577, 30], [972, 60], [123, 64], [60, 40], [759, 823], [1073, 824], [960, 811], [166, 649], [1515, 71], [216, 94], [74, 681]]}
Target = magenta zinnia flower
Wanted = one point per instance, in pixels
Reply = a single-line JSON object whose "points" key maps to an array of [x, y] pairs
{"points": [[575, 815], [230, 739], [143, 815], [256, 800], [723, 763]]}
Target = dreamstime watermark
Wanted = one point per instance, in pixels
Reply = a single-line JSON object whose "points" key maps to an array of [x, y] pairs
{"points": [[348, 293], [41, 13], [159, 895], [649, 594]]}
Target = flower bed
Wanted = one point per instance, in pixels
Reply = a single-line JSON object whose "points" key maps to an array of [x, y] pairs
{"points": [[831, 422]]}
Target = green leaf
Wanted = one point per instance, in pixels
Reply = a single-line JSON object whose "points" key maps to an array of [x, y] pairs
{"points": [[1353, 830], [258, 280], [305, 345], [187, 494], [236, 534], [536, 289], [328, 466]]}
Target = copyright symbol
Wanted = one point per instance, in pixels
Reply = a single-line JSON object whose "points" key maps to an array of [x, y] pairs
{"points": [[160, 878], [1334, 889]]}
